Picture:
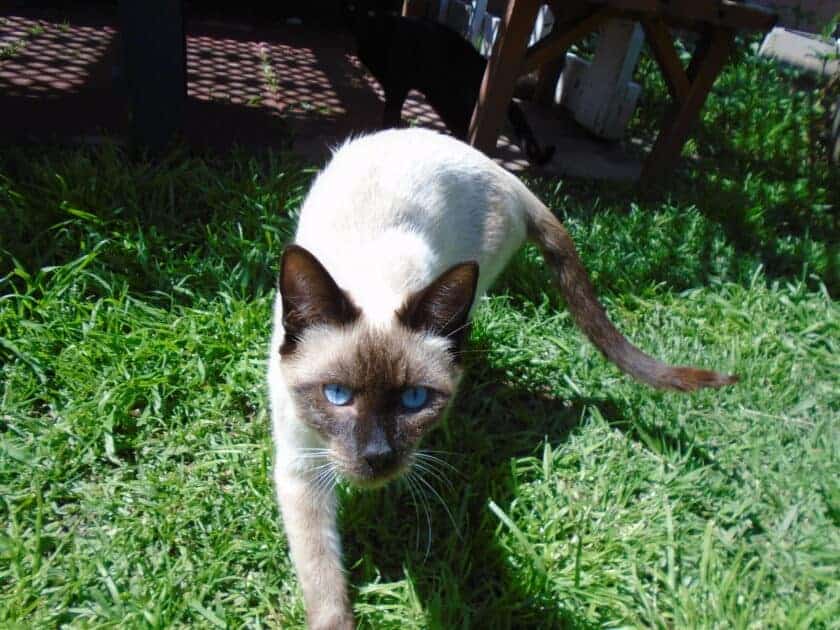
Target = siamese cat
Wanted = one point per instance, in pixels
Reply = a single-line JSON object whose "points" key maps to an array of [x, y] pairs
{"points": [[416, 53], [398, 236]]}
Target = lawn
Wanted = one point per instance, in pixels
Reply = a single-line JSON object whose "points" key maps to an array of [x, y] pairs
{"points": [[134, 437]]}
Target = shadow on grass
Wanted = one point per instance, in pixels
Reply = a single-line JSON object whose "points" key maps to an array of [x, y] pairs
{"points": [[789, 224], [759, 202], [460, 574], [172, 229]]}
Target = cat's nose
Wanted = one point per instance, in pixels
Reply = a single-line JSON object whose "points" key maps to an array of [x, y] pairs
{"points": [[380, 457]]}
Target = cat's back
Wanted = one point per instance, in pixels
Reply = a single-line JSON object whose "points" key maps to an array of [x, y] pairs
{"points": [[412, 178], [402, 205]]}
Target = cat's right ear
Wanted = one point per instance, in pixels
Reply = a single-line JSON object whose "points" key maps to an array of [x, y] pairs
{"points": [[443, 307], [310, 296]]}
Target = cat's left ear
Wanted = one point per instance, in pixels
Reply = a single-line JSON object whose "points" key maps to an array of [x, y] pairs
{"points": [[443, 307], [310, 296]]}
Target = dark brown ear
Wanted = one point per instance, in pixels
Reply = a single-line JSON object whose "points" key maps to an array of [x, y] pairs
{"points": [[310, 296], [443, 307]]}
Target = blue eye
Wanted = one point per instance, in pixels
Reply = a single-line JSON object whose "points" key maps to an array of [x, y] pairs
{"points": [[414, 397], [337, 394]]}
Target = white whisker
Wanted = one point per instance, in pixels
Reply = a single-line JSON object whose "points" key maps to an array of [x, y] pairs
{"points": [[411, 477], [433, 459], [324, 481], [416, 514], [459, 329], [443, 503], [438, 475]]}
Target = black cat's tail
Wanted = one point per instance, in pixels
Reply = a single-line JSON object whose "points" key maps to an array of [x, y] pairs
{"points": [[561, 255], [525, 135]]}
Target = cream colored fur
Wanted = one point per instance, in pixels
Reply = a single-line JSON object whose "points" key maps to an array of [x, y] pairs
{"points": [[390, 212]]}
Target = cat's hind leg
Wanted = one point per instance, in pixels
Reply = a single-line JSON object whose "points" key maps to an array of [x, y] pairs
{"points": [[394, 101], [527, 141]]}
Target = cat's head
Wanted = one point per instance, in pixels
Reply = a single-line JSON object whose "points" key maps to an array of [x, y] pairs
{"points": [[371, 391]]}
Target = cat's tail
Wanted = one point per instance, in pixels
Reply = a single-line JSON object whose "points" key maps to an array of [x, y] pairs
{"points": [[560, 254]]}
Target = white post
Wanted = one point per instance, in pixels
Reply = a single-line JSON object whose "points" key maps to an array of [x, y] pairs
{"points": [[600, 94]]}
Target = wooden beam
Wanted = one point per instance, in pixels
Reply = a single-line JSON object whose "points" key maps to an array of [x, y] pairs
{"points": [[503, 67], [641, 6], [568, 11], [727, 13], [662, 46], [564, 36], [707, 63]]}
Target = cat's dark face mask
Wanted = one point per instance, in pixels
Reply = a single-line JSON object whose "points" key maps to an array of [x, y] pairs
{"points": [[370, 392]]}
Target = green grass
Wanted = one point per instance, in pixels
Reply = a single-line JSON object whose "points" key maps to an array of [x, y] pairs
{"points": [[134, 438]]}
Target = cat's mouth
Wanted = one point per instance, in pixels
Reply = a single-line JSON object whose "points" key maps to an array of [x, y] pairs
{"points": [[365, 477], [374, 483]]}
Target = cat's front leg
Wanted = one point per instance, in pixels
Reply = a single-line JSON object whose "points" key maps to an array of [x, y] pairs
{"points": [[394, 101], [309, 516]]}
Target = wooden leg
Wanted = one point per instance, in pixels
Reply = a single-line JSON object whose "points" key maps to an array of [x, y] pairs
{"points": [[502, 70], [705, 66], [662, 46], [154, 52]]}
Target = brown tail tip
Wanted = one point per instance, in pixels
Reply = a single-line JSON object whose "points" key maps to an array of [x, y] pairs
{"points": [[688, 379]]}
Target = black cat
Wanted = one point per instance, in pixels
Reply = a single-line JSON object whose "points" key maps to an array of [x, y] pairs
{"points": [[415, 53]]}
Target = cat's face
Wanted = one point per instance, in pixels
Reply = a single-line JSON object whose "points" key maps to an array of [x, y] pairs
{"points": [[371, 392]]}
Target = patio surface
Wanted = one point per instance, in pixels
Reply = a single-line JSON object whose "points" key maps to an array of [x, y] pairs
{"points": [[254, 85]]}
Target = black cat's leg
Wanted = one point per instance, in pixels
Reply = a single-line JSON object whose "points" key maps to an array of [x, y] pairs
{"points": [[394, 101], [523, 132]]}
